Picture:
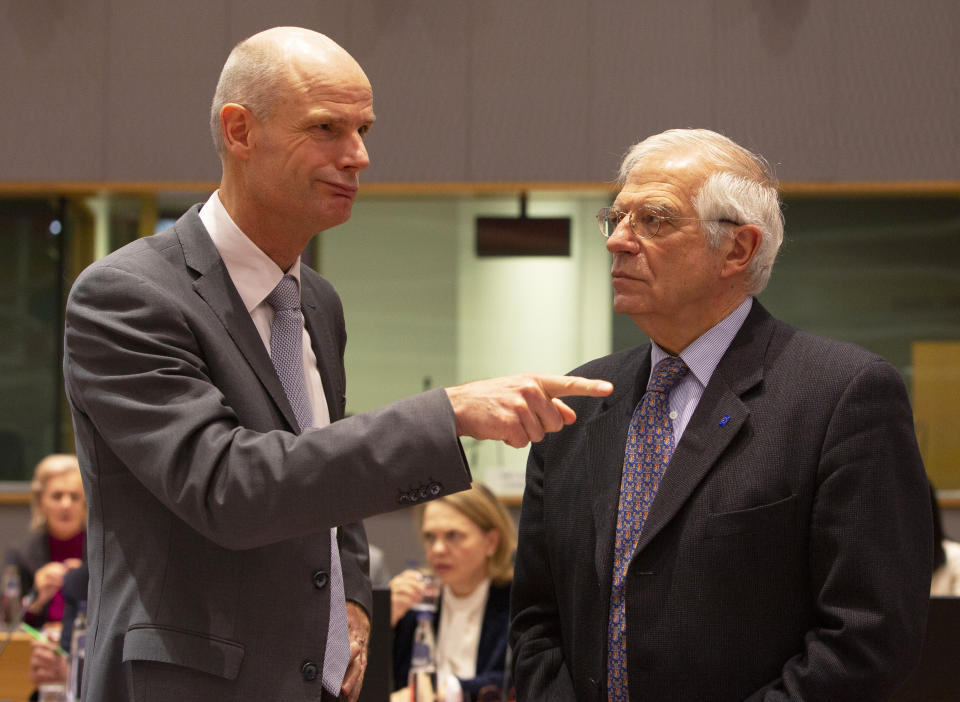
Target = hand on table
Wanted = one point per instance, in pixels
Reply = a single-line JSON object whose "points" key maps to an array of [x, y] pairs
{"points": [[46, 665]]}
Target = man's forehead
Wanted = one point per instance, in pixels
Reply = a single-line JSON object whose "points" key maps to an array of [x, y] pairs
{"points": [[331, 96], [664, 178], [679, 168]]}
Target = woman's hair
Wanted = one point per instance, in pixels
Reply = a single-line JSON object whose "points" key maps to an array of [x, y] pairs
{"points": [[51, 466], [483, 508]]}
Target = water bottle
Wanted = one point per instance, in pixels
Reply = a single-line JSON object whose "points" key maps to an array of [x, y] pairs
{"points": [[425, 682], [78, 653], [11, 597], [423, 661]]}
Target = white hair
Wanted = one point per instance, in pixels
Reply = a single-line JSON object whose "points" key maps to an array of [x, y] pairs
{"points": [[741, 187]]}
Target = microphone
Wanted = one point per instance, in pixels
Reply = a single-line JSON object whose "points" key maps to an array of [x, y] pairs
{"points": [[29, 599], [10, 591]]}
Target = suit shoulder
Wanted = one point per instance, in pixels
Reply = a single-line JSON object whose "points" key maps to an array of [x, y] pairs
{"points": [[830, 365], [149, 257], [614, 364], [824, 352], [320, 284], [160, 258], [31, 553]]}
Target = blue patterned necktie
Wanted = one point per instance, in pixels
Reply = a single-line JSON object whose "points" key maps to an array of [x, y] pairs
{"points": [[649, 448], [286, 352]]}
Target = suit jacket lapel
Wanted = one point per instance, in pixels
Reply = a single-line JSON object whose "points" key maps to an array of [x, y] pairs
{"points": [[324, 347], [606, 441], [717, 419], [214, 285]]}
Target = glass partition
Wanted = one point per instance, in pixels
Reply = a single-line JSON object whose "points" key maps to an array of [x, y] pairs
{"points": [[424, 310]]}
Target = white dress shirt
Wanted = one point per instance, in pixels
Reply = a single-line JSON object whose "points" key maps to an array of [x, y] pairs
{"points": [[255, 275], [702, 357]]}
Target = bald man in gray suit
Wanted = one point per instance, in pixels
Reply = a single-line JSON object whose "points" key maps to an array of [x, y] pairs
{"points": [[211, 569]]}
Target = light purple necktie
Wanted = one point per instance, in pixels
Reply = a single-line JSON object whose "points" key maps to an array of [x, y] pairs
{"points": [[649, 448], [286, 352]]}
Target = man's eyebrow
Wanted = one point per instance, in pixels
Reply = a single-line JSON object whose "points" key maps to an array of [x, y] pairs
{"points": [[654, 207], [659, 208], [325, 118], [336, 119]]}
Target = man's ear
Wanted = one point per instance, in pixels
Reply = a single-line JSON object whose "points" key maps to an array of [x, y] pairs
{"points": [[236, 123], [491, 539], [741, 247]]}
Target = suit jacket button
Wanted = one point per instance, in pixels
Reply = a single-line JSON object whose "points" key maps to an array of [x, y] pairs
{"points": [[320, 579], [309, 671]]}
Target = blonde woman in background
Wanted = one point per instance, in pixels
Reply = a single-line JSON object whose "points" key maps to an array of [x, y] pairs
{"points": [[469, 539], [56, 543]]}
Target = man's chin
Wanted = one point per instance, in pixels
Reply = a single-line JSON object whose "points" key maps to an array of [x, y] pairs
{"points": [[625, 305], [334, 214]]}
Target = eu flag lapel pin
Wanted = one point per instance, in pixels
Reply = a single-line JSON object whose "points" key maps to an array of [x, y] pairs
{"points": [[726, 418]]}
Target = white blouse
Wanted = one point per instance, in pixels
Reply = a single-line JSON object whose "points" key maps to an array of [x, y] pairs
{"points": [[458, 638]]}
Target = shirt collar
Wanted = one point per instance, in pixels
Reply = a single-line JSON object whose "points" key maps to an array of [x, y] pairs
{"points": [[474, 600], [704, 354], [253, 273]]}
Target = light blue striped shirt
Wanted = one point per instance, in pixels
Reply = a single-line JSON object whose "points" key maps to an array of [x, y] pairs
{"points": [[702, 357]]}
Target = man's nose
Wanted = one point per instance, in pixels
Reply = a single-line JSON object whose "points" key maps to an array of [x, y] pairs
{"points": [[355, 154], [623, 238]]}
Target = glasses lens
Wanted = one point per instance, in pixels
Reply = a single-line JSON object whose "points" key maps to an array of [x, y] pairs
{"points": [[607, 218]]}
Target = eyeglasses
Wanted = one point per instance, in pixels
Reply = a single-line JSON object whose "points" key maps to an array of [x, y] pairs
{"points": [[645, 221]]}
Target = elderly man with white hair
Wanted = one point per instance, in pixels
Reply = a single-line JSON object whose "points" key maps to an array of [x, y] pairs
{"points": [[746, 517]]}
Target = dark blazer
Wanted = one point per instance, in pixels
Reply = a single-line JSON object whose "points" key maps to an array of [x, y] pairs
{"points": [[786, 556], [491, 649], [29, 557], [208, 515]]}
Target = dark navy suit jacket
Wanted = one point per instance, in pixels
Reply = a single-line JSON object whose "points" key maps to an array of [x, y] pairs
{"points": [[786, 555]]}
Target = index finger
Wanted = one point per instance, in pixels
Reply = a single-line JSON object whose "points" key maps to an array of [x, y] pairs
{"points": [[566, 385]]}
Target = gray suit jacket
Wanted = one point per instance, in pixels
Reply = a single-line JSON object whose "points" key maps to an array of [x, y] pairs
{"points": [[787, 554], [207, 541]]}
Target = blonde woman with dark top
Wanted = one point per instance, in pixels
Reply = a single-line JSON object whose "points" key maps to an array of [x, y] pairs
{"points": [[469, 540]]}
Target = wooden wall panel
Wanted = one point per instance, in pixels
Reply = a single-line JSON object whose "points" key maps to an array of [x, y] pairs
{"points": [[118, 90], [652, 69], [163, 63], [529, 105], [898, 90], [52, 64], [416, 56], [776, 84]]}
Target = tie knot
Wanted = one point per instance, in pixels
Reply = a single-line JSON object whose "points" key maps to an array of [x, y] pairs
{"points": [[667, 374], [285, 296]]}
